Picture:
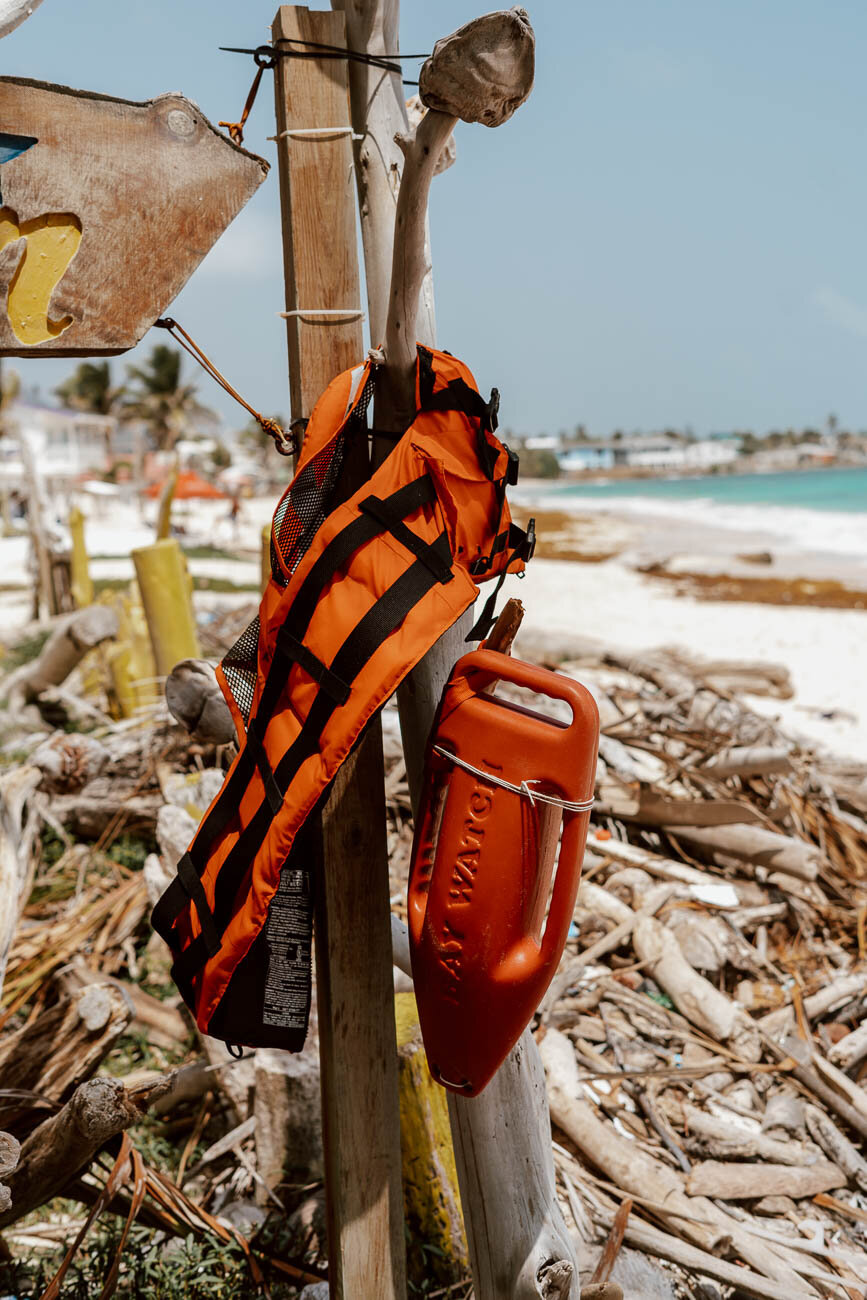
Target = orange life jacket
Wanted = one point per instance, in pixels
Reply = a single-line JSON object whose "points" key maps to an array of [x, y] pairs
{"points": [[358, 595]]}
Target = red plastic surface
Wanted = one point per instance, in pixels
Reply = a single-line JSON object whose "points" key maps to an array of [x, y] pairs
{"points": [[483, 952]]}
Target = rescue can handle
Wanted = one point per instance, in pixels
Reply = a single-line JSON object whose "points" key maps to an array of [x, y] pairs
{"points": [[585, 715], [494, 666], [480, 669]]}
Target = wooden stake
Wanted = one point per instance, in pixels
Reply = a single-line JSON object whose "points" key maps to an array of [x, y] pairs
{"points": [[502, 1138], [81, 584], [360, 1114], [164, 583]]}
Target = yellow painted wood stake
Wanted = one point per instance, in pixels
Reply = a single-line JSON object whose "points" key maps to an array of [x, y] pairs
{"points": [[167, 496], [432, 1201], [165, 591], [122, 686], [142, 665], [80, 580]]}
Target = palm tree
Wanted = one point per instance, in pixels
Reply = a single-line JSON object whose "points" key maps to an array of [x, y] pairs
{"points": [[89, 388], [160, 400]]}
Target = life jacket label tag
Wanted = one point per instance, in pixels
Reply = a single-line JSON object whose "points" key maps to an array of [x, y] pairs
{"points": [[287, 934]]}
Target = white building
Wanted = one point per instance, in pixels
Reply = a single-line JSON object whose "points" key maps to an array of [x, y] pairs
{"points": [[709, 453], [659, 452], [64, 444]]}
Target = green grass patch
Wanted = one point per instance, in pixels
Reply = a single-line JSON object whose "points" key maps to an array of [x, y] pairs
{"points": [[204, 552], [220, 585], [152, 1268], [129, 850]]}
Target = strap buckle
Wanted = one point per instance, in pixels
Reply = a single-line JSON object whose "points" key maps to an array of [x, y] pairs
{"points": [[512, 467], [492, 410]]}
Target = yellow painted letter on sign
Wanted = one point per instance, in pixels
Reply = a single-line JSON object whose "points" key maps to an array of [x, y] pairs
{"points": [[50, 243]]}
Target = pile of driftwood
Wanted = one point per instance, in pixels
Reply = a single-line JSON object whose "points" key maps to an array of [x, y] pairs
{"points": [[108, 1096], [703, 1038]]}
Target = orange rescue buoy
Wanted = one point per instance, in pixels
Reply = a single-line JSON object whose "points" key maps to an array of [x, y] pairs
{"points": [[502, 827]]}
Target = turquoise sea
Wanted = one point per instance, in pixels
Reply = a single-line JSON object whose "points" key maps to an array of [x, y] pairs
{"points": [[809, 489]]}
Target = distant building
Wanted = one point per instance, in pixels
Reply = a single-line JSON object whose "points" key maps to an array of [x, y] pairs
{"points": [[586, 456], [542, 442], [711, 452], [650, 452], [65, 444], [653, 451]]}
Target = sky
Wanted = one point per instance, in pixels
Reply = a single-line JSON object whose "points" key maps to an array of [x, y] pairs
{"points": [[669, 233]]}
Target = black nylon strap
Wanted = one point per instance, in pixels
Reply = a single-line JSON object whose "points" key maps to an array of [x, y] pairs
{"points": [[296, 652], [338, 552], [272, 790], [167, 909], [188, 963], [525, 544], [191, 883], [381, 620], [385, 515]]}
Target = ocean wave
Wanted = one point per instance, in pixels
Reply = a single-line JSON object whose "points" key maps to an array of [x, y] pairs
{"points": [[792, 529]]}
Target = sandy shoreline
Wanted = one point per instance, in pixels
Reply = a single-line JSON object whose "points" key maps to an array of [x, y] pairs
{"points": [[612, 600], [608, 599]]}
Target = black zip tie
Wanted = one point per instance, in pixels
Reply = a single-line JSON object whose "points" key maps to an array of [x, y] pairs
{"points": [[266, 56]]}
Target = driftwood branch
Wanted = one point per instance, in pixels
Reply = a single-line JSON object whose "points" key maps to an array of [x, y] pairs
{"points": [[17, 833], [10, 1149], [481, 73], [66, 1143], [638, 1174], [694, 996], [62, 1047], [728, 1181], [15, 12], [64, 649], [395, 398]]}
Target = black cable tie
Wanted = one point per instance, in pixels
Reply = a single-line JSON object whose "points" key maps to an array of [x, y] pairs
{"points": [[266, 56]]}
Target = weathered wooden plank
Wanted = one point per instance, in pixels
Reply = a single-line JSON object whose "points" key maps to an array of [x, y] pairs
{"points": [[107, 216], [360, 1110], [317, 198]]}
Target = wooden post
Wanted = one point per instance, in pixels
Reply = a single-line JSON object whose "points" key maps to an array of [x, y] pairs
{"points": [[360, 1113], [516, 1233]]}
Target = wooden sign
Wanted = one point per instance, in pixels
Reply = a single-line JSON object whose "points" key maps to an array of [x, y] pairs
{"points": [[106, 216]]}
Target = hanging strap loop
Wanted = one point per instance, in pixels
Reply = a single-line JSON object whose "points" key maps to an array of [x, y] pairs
{"points": [[285, 443]]}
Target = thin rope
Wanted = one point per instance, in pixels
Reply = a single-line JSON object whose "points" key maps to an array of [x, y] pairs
{"points": [[302, 132], [535, 796], [285, 443], [348, 313]]}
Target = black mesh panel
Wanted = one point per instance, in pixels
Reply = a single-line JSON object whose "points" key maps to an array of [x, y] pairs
{"points": [[298, 517], [240, 668], [304, 507]]}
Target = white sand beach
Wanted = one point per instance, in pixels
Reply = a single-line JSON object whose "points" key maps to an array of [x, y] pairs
{"points": [[823, 648], [609, 600]]}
